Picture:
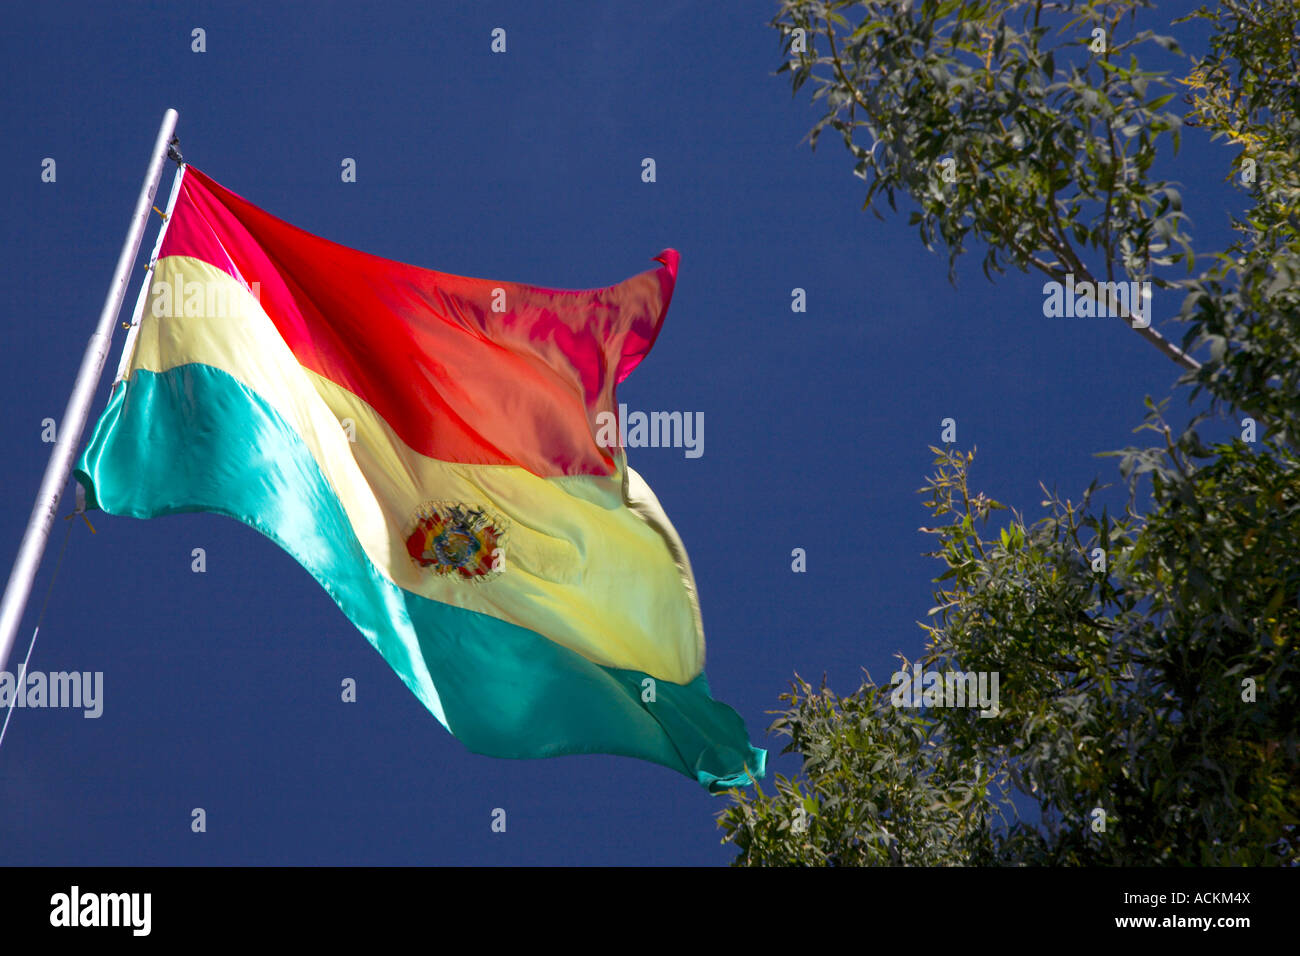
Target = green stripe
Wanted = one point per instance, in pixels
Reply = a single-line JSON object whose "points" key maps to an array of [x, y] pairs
{"points": [[195, 439]]}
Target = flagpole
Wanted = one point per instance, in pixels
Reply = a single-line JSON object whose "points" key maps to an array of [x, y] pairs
{"points": [[73, 423]]}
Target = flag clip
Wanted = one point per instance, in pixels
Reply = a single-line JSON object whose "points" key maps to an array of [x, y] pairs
{"points": [[81, 508]]}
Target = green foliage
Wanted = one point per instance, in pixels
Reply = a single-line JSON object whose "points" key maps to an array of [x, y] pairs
{"points": [[1156, 692], [879, 790], [1124, 688], [1053, 143], [1122, 691], [1246, 307]]}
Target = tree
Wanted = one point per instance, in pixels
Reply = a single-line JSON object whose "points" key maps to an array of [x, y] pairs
{"points": [[1150, 704]]}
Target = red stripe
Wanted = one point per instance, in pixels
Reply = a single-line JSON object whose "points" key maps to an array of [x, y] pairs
{"points": [[456, 380]]}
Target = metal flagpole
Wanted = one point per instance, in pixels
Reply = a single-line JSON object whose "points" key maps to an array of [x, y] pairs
{"points": [[73, 423]]}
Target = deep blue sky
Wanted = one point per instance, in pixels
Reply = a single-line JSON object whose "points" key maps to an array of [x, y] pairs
{"points": [[222, 689]]}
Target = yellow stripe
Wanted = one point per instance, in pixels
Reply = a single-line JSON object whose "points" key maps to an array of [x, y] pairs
{"points": [[591, 562]]}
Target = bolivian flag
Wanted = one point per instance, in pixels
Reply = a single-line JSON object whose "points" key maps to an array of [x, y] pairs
{"points": [[425, 445]]}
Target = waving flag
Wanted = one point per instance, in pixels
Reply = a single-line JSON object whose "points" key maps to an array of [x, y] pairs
{"points": [[426, 446]]}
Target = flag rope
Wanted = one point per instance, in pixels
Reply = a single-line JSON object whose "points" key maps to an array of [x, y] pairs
{"points": [[22, 676]]}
